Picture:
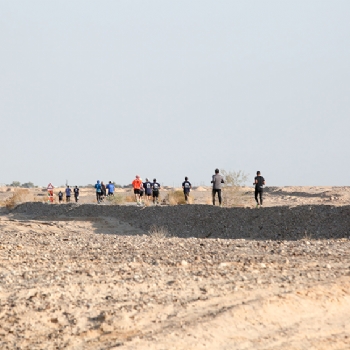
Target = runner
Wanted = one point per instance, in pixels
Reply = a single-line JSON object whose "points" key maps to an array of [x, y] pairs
{"points": [[103, 189], [259, 183], [148, 189], [98, 191], [76, 194], [68, 192], [217, 180], [136, 184], [142, 191], [186, 185], [60, 196], [155, 191], [110, 187]]}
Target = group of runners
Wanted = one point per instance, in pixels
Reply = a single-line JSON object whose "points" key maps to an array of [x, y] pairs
{"points": [[68, 192], [145, 189], [150, 190], [218, 180], [103, 191]]}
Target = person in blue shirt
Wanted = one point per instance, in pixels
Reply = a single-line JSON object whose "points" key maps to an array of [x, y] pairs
{"points": [[98, 191], [110, 188], [155, 191], [186, 185], [68, 192]]}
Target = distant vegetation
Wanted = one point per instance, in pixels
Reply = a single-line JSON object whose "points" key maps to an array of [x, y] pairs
{"points": [[233, 195], [24, 185], [116, 199]]}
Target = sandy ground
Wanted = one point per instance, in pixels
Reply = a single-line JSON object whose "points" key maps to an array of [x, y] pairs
{"points": [[101, 283]]}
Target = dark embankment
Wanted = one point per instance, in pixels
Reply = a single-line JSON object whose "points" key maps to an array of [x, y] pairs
{"points": [[282, 223]]}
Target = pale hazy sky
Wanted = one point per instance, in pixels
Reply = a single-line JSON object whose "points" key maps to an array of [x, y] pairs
{"points": [[110, 89]]}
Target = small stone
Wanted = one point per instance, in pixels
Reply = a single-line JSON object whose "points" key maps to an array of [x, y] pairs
{"points": [[107, 328]]}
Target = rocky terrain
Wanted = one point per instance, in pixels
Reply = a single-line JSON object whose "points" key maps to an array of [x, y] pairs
{"points": [[182, 277], [203, 221]]}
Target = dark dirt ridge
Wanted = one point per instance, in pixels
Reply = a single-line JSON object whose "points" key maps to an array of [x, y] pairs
{"points": [[205, 221]]}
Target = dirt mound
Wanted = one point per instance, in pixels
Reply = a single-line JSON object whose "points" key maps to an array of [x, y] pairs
{"points": [[201, 221], [200, 189]]}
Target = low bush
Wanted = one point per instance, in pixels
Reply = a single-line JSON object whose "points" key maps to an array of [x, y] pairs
{"points": [[19, 196], [158, 232], [129, 198], [177, 197], [232, 192], [116, 199]]}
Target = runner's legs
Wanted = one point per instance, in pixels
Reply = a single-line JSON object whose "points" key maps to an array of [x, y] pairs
{"points": [[258, 194], [218, 191], [155, 196], [219, 195], [186, 196]]}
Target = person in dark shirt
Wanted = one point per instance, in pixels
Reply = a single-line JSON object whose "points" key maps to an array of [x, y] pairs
{"points": [[147, 185], [259, 183], [60, 196], [217, 180], [186, 185], [104, 191], [155, 191], [142, 192], [76, 194], [68, 192]]}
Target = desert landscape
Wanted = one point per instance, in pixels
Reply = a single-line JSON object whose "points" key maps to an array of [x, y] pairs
{"points": [[235, 98], [273, 196], [119, 276]]}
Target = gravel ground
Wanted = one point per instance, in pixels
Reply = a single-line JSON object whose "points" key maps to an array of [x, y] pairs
{"points": [[200, 221], [92, 277]]}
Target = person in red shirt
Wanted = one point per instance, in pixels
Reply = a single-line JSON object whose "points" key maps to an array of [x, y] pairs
{"points": [[137, 184]]}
